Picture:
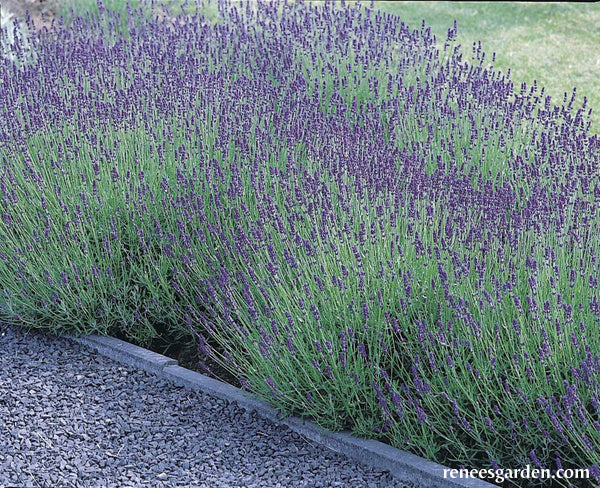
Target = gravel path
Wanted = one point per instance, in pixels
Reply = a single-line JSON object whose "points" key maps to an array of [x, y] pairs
{"points": [[73, 418]]}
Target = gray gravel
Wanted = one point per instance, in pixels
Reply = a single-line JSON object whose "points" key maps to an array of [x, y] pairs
{"points": [[72, 418]]}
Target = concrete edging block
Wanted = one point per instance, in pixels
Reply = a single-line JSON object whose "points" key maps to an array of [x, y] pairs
{"points": [[404, 466], [126, 353]]}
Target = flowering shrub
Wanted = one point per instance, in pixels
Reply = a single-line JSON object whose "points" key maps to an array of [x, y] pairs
{"points": [[363, 228]]}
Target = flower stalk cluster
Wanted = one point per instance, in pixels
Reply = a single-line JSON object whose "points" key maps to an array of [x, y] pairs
{"points": [[361, 226]]}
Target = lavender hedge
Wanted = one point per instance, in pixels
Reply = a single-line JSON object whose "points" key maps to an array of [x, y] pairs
{"points": [[362, 227]]}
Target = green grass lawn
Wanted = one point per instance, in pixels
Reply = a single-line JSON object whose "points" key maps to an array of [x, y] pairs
{"points": [[556, 44]]}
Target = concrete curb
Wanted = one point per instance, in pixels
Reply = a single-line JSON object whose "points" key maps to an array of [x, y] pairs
{"points": [[403, 465], [124, 352]]}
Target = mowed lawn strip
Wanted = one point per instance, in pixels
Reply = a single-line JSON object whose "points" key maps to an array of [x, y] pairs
{"points": [[555, 44]]}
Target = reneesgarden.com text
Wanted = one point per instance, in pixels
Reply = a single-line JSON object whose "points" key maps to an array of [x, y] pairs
{"points": [[501, 475]]}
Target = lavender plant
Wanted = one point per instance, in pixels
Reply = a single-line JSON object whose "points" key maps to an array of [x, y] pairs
{"points": [[362, 228]]}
